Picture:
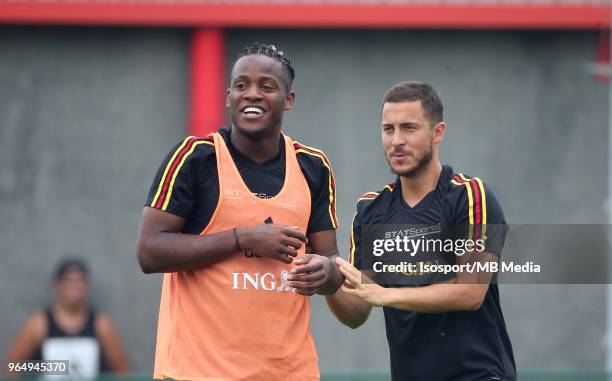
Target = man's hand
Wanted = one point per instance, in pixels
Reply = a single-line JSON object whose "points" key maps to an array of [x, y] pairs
{"points": [[311, 275], [280, 242], [359, 285]]}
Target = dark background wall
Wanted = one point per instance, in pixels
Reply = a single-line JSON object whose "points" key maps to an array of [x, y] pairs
{"points": [[87, 114]]}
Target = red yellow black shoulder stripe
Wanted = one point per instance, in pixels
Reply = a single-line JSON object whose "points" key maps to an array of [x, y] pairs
{"points": [[477, 201], [351, 258], [185, 149], [372, 195], [368, 196]]}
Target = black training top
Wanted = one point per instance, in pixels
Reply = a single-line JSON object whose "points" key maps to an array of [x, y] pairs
{"points": [[455, 346], [187, 182]]}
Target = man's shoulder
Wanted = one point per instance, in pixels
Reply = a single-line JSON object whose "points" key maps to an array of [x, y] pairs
{"points": [[473, 196], [461, 185], [194, 148], [459, 180], [375, 200], [194, 143], [311, 156]]}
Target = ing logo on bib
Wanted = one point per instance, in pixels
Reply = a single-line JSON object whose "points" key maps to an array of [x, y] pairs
{"points": [[261, 281]]}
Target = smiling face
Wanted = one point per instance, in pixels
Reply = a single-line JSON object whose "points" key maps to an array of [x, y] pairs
{"points": [[258, 95], [408, 138]]}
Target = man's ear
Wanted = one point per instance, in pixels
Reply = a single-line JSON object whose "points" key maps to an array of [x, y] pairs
{"points": [[290, 100], [227, 98], [438, 132]]}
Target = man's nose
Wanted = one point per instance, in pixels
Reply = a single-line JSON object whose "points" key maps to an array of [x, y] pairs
{"points": [[398, 138], [252, 93]]}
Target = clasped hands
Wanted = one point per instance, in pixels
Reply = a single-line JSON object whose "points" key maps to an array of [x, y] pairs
{"points": [[313, 271]]}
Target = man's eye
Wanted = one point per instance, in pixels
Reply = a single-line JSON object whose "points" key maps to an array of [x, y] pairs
{"points": [[240, 86], [267, 88]]}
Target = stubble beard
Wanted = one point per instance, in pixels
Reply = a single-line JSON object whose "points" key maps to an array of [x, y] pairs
{"points": [[418, 168]]}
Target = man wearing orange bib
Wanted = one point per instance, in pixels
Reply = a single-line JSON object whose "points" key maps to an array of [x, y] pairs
{"points": [[227, 220]]}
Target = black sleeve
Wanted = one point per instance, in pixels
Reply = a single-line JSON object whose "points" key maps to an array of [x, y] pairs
{"points": [[319, 175], [177, 179], [355, 243], [362, 217], [479, 210]]}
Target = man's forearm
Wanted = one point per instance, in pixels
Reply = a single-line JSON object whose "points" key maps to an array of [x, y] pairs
{"points": [[437, 298], [349, 310], [169, 252]]}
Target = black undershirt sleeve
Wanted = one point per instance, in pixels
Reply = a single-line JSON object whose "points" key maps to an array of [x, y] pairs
{"points": [[322, 191], [174, 188]]}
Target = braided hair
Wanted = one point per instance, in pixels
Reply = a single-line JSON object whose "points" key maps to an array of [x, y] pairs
{"points": [[269, 51]]}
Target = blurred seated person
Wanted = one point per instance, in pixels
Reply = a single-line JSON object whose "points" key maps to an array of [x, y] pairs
{"points": [[71, 329]]}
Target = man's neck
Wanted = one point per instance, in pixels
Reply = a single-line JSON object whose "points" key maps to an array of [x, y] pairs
{"points": [[70, 311], [260, 151], [415, 188]]}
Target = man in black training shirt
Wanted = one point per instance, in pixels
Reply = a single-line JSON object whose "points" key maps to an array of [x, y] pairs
{"points": [[453, 330]]}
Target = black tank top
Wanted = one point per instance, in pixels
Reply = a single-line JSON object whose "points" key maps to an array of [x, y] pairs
{"points": [[55, 331]]}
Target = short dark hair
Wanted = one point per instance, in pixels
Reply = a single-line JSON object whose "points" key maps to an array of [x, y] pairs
{"points": [[68, 264], [269, 51], [418, 91]]}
